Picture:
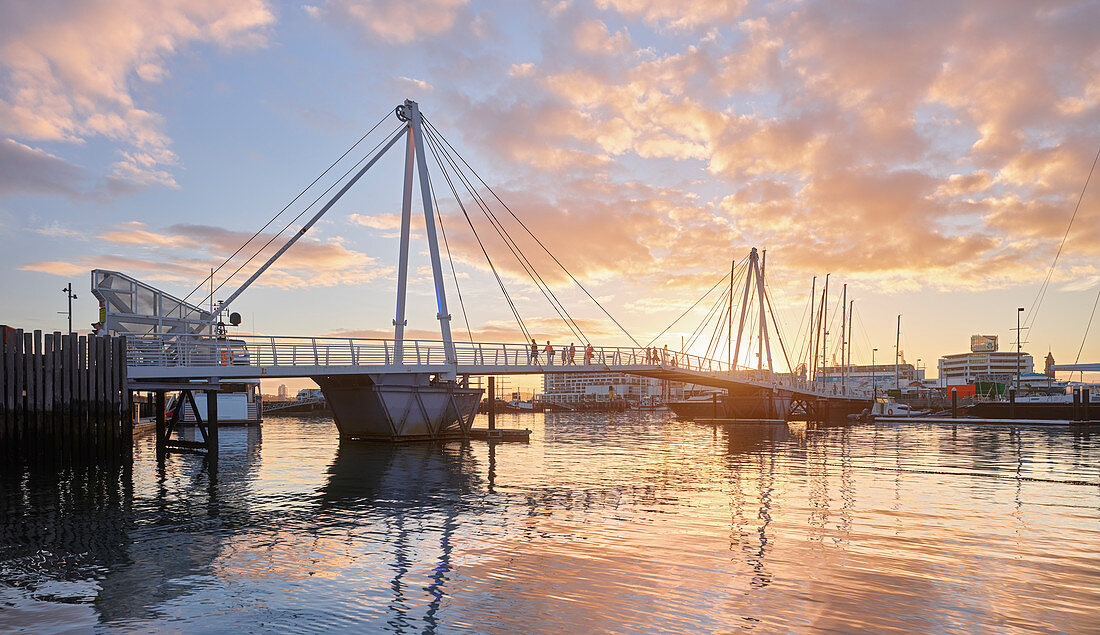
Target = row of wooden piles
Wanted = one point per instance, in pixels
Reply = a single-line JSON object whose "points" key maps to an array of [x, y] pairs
{"points": [[63, 398]]}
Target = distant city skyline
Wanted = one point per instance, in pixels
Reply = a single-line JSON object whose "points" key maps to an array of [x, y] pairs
{"points": [[930, 155]]}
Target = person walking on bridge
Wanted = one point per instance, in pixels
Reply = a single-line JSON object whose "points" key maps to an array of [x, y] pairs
{"points": [[549, 353], [572, 353], [588, 355], [534, 352]]}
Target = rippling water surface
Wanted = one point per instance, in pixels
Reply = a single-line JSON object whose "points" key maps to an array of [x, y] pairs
{"points": [[623, 522]]}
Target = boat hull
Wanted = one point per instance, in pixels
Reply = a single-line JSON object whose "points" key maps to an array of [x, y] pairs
{"points": [[399, 407], [765, 405], [1043, 411]]}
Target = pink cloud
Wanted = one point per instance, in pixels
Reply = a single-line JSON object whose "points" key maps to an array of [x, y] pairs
{"points": [[69, 70]]}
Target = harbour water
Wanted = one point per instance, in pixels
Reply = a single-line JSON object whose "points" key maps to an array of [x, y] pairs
{"points": [[621, 522]]}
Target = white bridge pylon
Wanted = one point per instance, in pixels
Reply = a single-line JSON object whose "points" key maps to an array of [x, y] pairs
{"points": [[413, 133]]}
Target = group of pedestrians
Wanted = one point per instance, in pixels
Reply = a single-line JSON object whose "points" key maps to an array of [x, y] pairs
{"points": [[655, 355], [568, 353]]}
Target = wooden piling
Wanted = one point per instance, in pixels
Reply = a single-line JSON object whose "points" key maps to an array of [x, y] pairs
{"points": [[211, 422], [127, 415], [47, 394], [81, 411], [63, 398], [68, 372], [161, 425], [26, 405], [492, 403], [8, 396]]}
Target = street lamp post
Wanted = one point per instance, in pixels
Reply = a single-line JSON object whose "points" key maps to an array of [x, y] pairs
{"points": [[68, 291], [874, 375]]}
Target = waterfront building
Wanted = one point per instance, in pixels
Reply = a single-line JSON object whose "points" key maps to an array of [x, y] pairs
{"points": [[1041, 382], [581, 387], [986, 366], [887, 376]]}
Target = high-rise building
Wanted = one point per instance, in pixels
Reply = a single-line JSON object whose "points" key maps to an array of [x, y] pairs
{"points": [[282, 391]]}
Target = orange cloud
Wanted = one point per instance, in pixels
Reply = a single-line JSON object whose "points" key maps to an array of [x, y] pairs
{"points": [[185, 254]]}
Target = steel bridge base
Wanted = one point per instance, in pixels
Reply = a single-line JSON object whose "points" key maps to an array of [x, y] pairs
{"points": [[400, 407]]}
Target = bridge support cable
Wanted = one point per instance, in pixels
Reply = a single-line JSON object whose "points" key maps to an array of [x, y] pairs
{"points": [[720, 309], [481, 245], [817, 333], [301, 232], [509, 242], [515, 249], [707, 317], [286, 207], [396, 132], [693, 305], [714, 345], [536, 239], [719, 305], [779, 335], [1085, 337], [1037, 303], [450, 259], [781, 330]]}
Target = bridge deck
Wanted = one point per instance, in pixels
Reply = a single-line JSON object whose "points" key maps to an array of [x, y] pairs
{"points": [[158, 357]]}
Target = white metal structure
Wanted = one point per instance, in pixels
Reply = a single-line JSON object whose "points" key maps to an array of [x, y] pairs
{"points": [[128, 305]]}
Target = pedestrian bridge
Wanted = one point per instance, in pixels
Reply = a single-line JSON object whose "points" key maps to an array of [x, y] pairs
{"points": [[402, 388], [179, 358]]}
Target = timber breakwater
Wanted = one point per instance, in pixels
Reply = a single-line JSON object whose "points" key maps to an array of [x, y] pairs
{"points": [[63, 398]]}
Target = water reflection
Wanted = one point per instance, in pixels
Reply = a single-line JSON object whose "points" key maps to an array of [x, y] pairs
{"points": [[624, 522], [418, 491]]}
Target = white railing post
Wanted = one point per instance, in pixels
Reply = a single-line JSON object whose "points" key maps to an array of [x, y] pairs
{"points": [[274, 353]]}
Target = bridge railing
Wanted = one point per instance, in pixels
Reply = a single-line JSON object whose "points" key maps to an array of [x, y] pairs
{"points": [[204, 351], [176, 350]]}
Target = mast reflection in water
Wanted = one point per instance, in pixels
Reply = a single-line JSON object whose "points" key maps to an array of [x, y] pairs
{"points": [[611, 522]]}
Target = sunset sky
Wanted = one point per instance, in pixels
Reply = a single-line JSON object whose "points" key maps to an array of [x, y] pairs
{"points": [[929, 154]]}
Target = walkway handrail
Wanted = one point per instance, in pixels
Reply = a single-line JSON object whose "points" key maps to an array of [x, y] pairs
{"points": [[204, 351]]}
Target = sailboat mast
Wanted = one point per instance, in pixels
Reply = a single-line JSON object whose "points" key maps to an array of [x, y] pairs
{"points": [[824, 327], [851, 321], [813, 349], [897, 356], [729, 317], [843, 337]]}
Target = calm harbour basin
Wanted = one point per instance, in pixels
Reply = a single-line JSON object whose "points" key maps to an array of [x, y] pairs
{"points": [[624, 522]]}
